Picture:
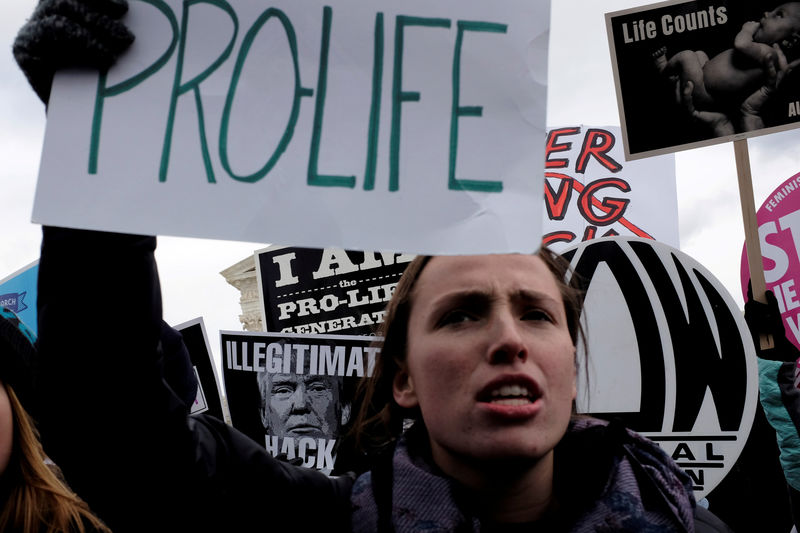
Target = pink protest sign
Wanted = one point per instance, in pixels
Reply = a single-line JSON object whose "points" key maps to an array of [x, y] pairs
{"points": [[779, 233]]}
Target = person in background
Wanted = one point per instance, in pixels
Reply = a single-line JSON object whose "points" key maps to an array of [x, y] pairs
{"points": [[777, 385], [34, 497]]}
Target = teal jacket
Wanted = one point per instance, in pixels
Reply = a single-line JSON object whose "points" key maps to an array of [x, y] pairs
{"points": [[780, 399]]}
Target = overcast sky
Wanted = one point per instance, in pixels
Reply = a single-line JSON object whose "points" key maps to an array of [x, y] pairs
{"points": [[581, 92]]}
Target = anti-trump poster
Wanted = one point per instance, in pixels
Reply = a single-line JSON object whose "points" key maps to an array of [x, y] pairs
{"points": [[591, 191], [330, 290], [404, 125], [294, 393], [690, 74]]}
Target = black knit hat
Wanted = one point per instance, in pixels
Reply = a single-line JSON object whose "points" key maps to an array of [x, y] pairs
{"points": [[17, 356], [70, 33]]}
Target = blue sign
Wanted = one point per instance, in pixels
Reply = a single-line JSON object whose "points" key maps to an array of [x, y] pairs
{"points": [[18, 294]]}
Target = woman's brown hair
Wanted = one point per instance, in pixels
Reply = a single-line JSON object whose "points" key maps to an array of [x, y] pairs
{"points": [[37, 500], [379, 420]]}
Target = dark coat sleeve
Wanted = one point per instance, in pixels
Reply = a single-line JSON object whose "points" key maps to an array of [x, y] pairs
{"points": [[121, 435]]}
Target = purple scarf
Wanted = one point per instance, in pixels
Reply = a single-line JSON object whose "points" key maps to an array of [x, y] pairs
{"points": [[606, 479]]}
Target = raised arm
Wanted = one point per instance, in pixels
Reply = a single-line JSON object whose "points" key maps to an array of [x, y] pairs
{"points": [[118, 430], [107, 417]]}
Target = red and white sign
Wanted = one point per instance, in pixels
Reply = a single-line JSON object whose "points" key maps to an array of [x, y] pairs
{"points": [[591, 191]]}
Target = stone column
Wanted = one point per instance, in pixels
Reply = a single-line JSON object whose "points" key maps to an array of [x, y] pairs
{"points": [[242, 275]]}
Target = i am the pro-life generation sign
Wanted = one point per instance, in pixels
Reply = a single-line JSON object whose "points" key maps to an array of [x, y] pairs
{"points": [[311, 290], [414, 126]]}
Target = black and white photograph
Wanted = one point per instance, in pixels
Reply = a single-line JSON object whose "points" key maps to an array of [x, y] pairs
{"points": [[689, 74], [294, 393]]}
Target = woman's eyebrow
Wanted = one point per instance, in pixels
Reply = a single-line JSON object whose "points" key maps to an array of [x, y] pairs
{"points": [[525, 297], [478, 296], [469, 297], [533, 296]]}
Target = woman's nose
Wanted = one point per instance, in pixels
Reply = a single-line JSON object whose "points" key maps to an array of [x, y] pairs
{"points": [[507, 342]]}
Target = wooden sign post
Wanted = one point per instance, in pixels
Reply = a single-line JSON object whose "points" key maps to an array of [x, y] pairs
{"points": [[752, 242]]}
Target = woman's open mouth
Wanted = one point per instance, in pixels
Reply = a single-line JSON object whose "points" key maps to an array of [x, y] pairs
{"points": [[511, 395], [510, 391]]}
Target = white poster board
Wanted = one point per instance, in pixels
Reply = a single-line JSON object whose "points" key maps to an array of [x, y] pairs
{"points": [[413, 126], [591, 191]]}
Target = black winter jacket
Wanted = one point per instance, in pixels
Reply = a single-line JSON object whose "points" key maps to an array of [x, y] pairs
{"points": [[121, 435]]}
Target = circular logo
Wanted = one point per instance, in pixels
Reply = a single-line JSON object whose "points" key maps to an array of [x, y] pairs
{"points": [[670, 354]]}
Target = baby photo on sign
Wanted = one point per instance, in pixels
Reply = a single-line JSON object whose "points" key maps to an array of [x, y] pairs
{"points": [[690, 74]]}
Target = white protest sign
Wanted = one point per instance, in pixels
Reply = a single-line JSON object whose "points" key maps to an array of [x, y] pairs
{"points": [[413, 126], [591, 191]]}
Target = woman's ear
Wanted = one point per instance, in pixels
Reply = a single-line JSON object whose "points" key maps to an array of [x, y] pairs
{"points": [[403, 390]]}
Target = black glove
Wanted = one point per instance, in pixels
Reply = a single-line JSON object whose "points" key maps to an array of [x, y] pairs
{"points": [[765, 319], [70, 33]]}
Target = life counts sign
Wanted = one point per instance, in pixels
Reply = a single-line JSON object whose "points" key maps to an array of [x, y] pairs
{"points": [[718, 46], [669, 353], [407, 125], [311, 290]]}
